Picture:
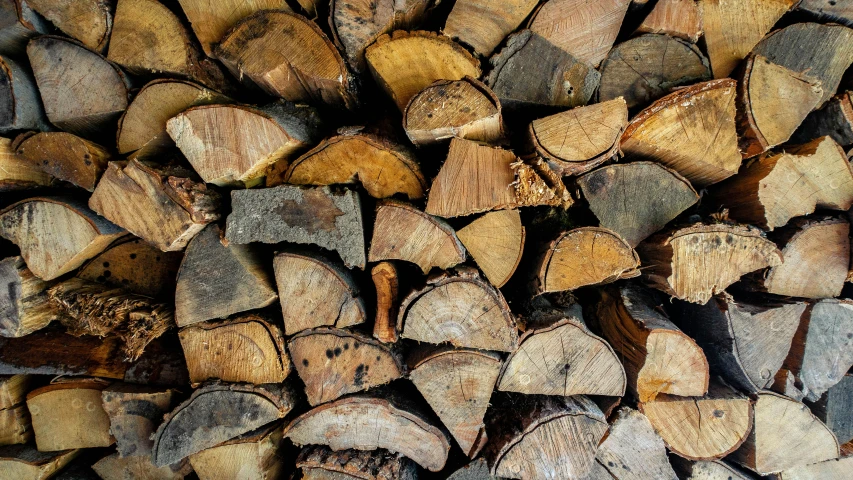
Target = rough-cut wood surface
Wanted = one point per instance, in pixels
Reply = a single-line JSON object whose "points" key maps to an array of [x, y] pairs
{"points": [[483, 24], [15, 425], [65, 156], [386, 282], [135, 265], [632, 450], [254, 455], [834, 119], [89, 21], [832, 409], [708, 470], [69, 415], [135, 411], [829, 10], [116, 467], [211, 21], [676, 18], [17, 173], [22, 107], [832, 469], [496, 242], [24, 304], [321, 463], [25, 462]]}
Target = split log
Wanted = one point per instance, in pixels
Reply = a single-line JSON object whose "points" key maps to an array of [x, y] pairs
{"points": [[691, 131], [404, 63], [829, 10], [732, 29], [24, 305], [387, 284], [786, 435], [135, 265], [764, 90], [585, 30], [321, 216], [636, 199], [190, 427], [646, 68], [824, 52], [254, 455], [384, 168], [532, 73], [248, 348], [744, 342], [13, 390], [216, 281], [25, 462], [702, 428], [496, 243], [20, 23], [463, 108], [457, 384], [632, 450], [288, 56], [89, 21], [333, 362], [402, 232], [832, 469], [142, 127], [575, 362], [676, 18], [775, 188], [163, 205], [56, 235], [70, 415], [135, 412], [585, 256], [321, 463], [657, 356], [81, 91], [478, 469], [544, 437], [22, 108], [17, 173], [64, 156], [15, 423], [231, 145], [316, 291], [483, 25], [211, 21], [477, 178], [729, 251], [832, 408], [460, 308], [834, 119], [594, 129], [368, 423], [116, 467], [707, 470]]}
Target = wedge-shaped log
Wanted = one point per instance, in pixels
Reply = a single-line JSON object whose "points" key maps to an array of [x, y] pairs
{"points": [[65, 156], [404, 63], [231, 145], [248, 348], [319, 463], [785, 435], [116, 467], [691, 131], [834, 119], [89, 21], [25, 462], [255, 455], [136, 266], [633, 450], [637, 199], [496, 242], [15, 423], [216, 281], [316, 291], [135, 411], [460, 308], [69, 415], [402, 232], [483, 24], [190, 428], [457, 384], [56, 235], [20, 24], [22, 108], [657, 356], [384, 168], [17, 173], [477, 469], [211, 21], [676, 18], [24, 304], [386, 281], [369, 423], [832, 409], [321, 216]]}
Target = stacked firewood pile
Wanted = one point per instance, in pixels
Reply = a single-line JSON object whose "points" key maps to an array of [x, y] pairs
{"points": [[389, 240]]}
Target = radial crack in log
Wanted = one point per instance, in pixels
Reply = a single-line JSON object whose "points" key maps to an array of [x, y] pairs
{"points": [[22, 107], [64, 156], [676, 18], [496, 242], [70, 415], [632, 450], [135, 411], [211, 21], [321, 463], [483, 24], [89, 21]]}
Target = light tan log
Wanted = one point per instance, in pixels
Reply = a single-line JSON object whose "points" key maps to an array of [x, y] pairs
{"points": [[318, 462], [708, 470], [89, 21], [496, 242], [676, 18], [69, 415], [255, 455], [24, 462], [386, 281], [115, 467], [24, 305], [135, 411], [832, 469], [23, 108], [64, 156], [15, 425], [135, 265], [16, 172], [483, 24], [632, 450], [211, 21]]}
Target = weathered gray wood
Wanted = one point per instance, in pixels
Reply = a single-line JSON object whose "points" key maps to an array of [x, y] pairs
{"points": [[21, 106], [135, 411], [834, 409]]}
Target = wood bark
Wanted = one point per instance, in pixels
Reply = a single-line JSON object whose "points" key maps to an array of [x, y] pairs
{"points": [[135, 411], [632, 449], [89, 21], [22, 107], [321, 463], [254, 455], [832, 409], [496, 242], [386, 281], [24, 304], [17, 173], [116, 467], [483, 24], [20, 24], [834, 119], [69, 415], [676, 18], [64, 156], [25, 462], [136, 266]]}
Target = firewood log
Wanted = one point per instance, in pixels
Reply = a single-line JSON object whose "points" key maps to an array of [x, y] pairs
{"points": [[532, 73], [207, 136], [637, 199], [702, 428], [64, 156], [478, 469], [253, 455], [496, 242], [135, 265], [460, 308], [729, 251], [386, 281], [543, 437], [17, 173], [15, 423], [211, 21], [586, 30], [383, 167], [832, 408], [216, 280], [404, 63], [13, 390], [732, 29], [20, 24], [24, 304], [402, 232], [745, 342], [287, 56], [463, 186], [56, 235], [247, 348], [320, 216], [116, 467], [646, 68], [25, 462], [657, 356], [367, 423], [676, 18], [135, 412], [190, 427], [786, 435], [316, 291], [142, 127], [708, 470], [834, 119], [820, 51], [463, 108], [321, 463], [829, 10], [632, 449], [81, 91], [22, 108], [483, 24], [691, 131], [57, 427], [89, 21], [457, 384]]}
